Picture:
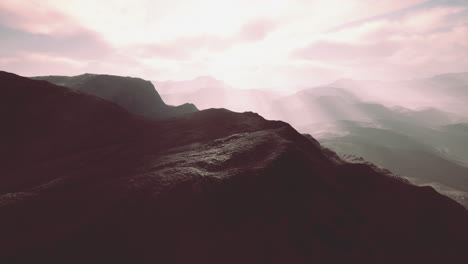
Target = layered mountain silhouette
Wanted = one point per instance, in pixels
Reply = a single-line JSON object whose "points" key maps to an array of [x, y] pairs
{"points": [[405, 155], [445, 91], [418, 145], [437, 100], [207, 92], [371, 119], [330, 104], [87, 181], [134, 94]]}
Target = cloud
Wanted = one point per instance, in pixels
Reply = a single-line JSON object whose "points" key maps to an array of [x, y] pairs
{"points": [[83, 45], [252, 42], [182, 48], [38, 64], [343, 51], [32, 17], [415, 42], [410, 22], [256, 30], [185, 48], [164, 51]]}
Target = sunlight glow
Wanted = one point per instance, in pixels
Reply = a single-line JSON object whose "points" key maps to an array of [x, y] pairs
{"points": [[248, 43]]}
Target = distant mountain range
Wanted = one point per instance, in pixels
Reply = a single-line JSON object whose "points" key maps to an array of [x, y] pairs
{"points": [[445, 91], [207, 92], [437, 100], [86, 181], [134, 94], [414, 128], [410, 156]]}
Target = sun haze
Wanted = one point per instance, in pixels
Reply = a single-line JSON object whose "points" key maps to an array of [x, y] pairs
{"points": [[248, 44]]}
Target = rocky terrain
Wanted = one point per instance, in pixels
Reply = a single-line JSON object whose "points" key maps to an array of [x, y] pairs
{"points": [[134, 94], [84, 181], [371, 119]]}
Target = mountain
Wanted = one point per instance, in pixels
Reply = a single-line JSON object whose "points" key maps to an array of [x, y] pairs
{"points": [[454, 142], [405, 155], [93, 183], [373, 119], [330, 104], [420, 145], [409, 101], [448, 92], [134, 94], [424, 154], [207, 92]]}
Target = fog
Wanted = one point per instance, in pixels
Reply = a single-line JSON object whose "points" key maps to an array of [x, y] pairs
{"points": [[416, 128]]}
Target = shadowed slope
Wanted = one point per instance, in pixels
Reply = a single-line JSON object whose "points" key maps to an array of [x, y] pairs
{"points": [[209, 187], [134, 94]]}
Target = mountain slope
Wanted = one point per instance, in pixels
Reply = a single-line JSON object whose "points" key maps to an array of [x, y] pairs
{"points": [[209, 187], [134, 94], [423, 155], [207, 92], [446, 91]]}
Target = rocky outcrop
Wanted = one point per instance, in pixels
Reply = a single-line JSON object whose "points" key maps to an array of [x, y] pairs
{"points": [[134, 94]]}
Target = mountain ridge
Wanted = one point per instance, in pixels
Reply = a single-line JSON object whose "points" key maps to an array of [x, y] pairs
{"points": [[206, 187], [134, 94]]}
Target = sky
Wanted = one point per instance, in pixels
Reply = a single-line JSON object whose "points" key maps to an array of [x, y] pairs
{"points": [[246, 43]]}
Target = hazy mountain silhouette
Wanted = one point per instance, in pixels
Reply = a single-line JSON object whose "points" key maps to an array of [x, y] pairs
{"points": [[330, 104], [134, 94], [207, 92], [89, 182], [418, 145], [341, 100], [415, 144], [403, 154], [448, 92], [369, 119]]}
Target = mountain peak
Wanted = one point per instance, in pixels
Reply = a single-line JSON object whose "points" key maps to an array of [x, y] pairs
{"points": [[136, 95]]}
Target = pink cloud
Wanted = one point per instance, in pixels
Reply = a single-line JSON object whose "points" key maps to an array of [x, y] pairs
{"points": [[256, 30], [404, 24], [344, 51], [35, 18], [38, 64], [244, 41], [167, 51], [84, 45], [183, 48]]}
